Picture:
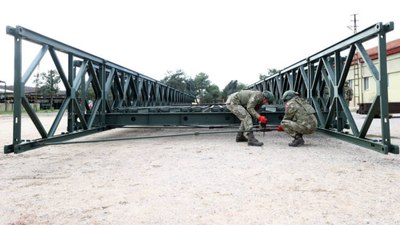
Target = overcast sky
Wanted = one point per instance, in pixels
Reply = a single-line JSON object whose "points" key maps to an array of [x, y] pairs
{"points": [[226, 39]]}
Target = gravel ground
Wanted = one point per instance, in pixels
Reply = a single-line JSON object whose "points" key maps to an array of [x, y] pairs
{"points": [[202, 179]]}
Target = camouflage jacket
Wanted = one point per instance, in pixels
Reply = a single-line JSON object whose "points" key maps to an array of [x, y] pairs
{"points": [[348, 93], [300, 111], [251, 100]]}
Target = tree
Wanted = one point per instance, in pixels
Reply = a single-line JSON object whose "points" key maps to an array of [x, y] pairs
{"points": [[211, 94], [177, 80], [232, 87], [201, 83], [37, 83], [190, 86], [49, 86], [270, 73]]}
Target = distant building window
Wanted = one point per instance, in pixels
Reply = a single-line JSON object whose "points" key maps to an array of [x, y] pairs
{"points": [[366, 83]]}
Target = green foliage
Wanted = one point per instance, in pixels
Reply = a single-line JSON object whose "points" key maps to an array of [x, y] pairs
{"points": [[90, 94], [211, 94], [202, 87], [232, 87], [48, 84], [199, 86], [262, 76], [270, 73], [190, 86], [201, 83], [177, 80]]}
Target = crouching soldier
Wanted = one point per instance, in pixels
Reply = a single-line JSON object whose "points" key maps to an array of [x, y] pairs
{"points": [[299, 118]]}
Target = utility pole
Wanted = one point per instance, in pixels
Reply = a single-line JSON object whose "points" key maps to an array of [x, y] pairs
{"points": [[354, 20], [358, 95]]}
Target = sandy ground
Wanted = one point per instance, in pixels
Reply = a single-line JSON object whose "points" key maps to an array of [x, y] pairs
{"points": [[204, 179]]}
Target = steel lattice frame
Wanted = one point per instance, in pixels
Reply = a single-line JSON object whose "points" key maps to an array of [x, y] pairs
{"points": [[114, 87], [330, 67]]}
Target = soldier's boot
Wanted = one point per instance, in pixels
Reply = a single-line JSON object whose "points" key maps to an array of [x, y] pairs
{"points": [[298, 140], [253, 141], [241, 138]]}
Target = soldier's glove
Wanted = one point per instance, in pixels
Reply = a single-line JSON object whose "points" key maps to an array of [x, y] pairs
{"points": [[280, 128], [262, 119]]}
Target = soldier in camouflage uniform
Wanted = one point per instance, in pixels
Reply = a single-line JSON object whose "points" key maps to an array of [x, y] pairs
{"points": [[348, 92], [326, 94], [299, 118], [244, 104]]}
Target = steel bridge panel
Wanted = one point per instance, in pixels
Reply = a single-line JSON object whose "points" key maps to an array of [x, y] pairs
{"points": [[84, 71], [182, 119], [329, 68]]}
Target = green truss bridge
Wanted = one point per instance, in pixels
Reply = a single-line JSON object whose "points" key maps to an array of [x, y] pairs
{"points": [[124, 97]]}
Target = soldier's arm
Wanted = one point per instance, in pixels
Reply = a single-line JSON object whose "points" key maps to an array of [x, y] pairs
{"points": [[290, 111], [251, 107]]}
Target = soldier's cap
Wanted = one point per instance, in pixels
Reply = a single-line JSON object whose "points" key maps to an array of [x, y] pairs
{"points": [[268, 95], [289, 95]]}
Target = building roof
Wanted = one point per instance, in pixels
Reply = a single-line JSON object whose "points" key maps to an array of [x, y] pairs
{"points": [[392, 47]]}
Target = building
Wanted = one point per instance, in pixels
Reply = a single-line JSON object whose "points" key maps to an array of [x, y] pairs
{"points": [[364, 85], [36, 100], [5, 94]]}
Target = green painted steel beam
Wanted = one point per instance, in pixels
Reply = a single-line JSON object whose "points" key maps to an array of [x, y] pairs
{"points": [[372, 144], [27, 145], [182, 119]]}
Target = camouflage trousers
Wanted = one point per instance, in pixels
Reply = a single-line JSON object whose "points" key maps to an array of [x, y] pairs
{"points": [[293, 128], [241, 113]]}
